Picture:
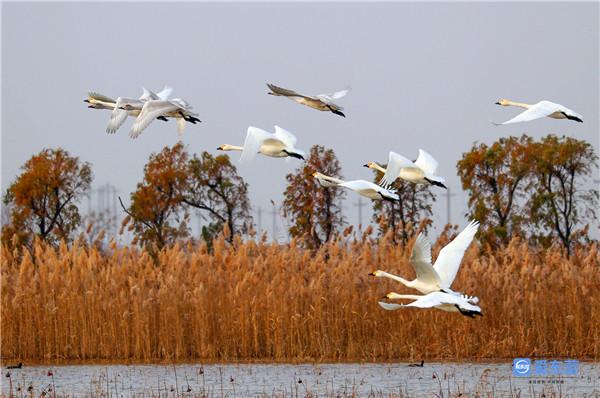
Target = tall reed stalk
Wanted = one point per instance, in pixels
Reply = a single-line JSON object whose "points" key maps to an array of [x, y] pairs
{"points": [[260, 301]]}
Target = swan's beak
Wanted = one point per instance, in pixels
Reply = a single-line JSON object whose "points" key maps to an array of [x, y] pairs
{"points": [[372, 273], [220, 148], [314, 174], [497, 103], [86, 100], [385, 297], [366, 165]]}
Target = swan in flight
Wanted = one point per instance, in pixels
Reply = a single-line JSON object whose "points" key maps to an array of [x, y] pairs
{"points": [[440, 300], [538, 111], [157, 109], [280, 144], [421, 170], [370, 190], [321, 102], [327, 181], [437, 277], [119, 114]]}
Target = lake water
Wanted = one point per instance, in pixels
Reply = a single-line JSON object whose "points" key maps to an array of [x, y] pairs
{"points": [[283, 380]]}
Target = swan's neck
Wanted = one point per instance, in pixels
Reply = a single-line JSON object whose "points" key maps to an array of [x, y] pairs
{"points": [[396, 296], [331, 179], [228, 147], [519, 104], [397, 279], [378, 167]]}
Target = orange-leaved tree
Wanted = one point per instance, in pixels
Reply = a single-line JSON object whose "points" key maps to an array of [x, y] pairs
{"points": [[157, 214], [315, 212], [43, 198], [561, 202], [220, 193], [496, 178]]}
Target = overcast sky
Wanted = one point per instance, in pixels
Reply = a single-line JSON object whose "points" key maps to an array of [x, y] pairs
{"points": [[422, 76]]}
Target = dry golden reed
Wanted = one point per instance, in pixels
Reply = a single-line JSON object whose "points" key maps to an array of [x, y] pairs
{"points": [[260, 301]]}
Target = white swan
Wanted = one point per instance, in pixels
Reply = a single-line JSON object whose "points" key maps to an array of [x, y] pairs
{"points": [[370, 190], [362, 187], [154, 109], [134, 107], [440, 300], [421, 170], [538, 111], [278, 145], [327, 181], [321, 102], [440, 276]]}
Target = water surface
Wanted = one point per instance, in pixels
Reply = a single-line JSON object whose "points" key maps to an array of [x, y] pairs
{"points": [[243, 380]]}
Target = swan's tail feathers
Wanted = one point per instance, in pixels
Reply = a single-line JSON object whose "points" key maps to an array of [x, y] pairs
{"points": [[437, 181], [389, 306]]}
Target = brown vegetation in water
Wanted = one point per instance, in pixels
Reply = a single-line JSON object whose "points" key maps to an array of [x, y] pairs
{"points": [[262, 301]]}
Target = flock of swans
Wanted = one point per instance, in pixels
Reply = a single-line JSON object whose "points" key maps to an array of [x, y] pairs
{"points": [[433, 281]]}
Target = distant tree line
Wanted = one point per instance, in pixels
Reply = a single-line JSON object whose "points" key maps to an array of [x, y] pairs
{"points": [[517, 187]]}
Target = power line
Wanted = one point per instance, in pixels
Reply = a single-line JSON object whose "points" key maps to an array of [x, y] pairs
{"points": [[359, 204]]}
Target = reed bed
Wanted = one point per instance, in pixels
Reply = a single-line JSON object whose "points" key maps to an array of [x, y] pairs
{"points": [[258, 301]]}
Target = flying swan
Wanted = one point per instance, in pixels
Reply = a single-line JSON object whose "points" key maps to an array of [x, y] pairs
{"points": [[278, 145], [321, 102], [440, 276], [538, 111], [119, 114], [421, 170], [157, 109], [440, 300]]}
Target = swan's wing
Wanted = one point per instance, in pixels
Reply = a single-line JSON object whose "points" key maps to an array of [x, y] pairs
{"points": [[254, 139], [420, 259], [426, 162], [359, 185], [331, 97], [450, 257], [395, 163], [537, 111], [117, 117], [100, 97], [164, 93], [147, 95], [457, 299], [286, 137], [284, 91], [150, 111], [428, 301], [389, 306]]}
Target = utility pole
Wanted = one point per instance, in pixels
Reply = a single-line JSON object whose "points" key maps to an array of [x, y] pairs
{"points": [[259, 216], [274, 214], [359, 204], [448, 196]]}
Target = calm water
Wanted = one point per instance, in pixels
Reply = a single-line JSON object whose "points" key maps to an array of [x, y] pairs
{"points": [[434, 379]]}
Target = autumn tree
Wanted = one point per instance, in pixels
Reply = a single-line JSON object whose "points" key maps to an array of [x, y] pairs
{"points": [[43, 198], [496, 178], [157, 214], [402, 218], [315, 212], [215, 188], [561, 206]]}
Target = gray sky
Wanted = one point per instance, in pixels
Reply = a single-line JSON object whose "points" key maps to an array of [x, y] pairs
{"points": [[422, 76]]}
